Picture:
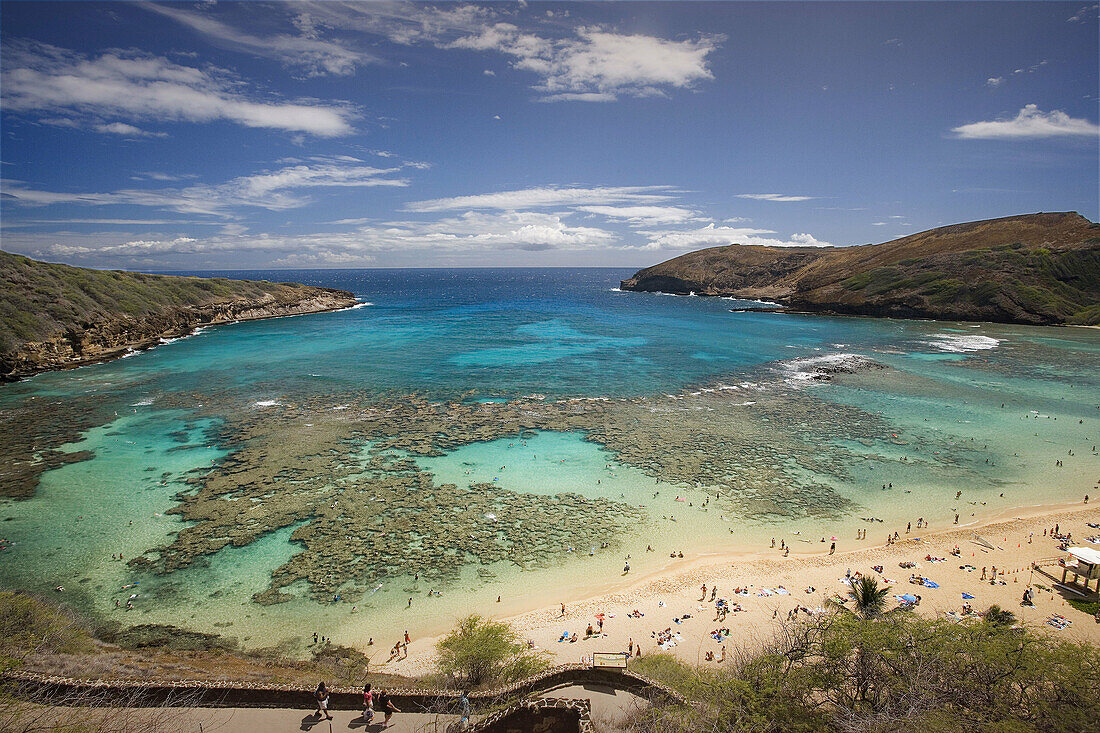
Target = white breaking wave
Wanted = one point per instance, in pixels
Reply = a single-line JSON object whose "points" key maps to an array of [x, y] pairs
{"points": [[364, 304], [961, 343], [266, 403], [815, 367], [752, 300], [142, 403]]}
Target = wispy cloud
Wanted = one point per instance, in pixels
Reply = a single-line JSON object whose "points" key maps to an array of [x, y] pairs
{"points": [[643, 215], [1000, 80], [587, 63], [548, 196], [274, 190], [136, 86], [23, 223], [304, 52], [468, 232], [121, 128], [1030, 122], [781, 197], [1083, 14], [160, 176]]}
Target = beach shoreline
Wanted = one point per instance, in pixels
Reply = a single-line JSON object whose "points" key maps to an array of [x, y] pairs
{"points": [[671, 592]]}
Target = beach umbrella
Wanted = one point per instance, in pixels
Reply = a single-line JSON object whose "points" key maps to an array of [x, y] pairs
{"points": [[909, 598]]}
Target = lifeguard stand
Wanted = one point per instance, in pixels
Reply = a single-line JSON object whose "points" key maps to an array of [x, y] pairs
{"points": [[1085, 566]]}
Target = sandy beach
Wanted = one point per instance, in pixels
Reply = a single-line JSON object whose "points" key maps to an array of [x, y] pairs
{"points": [[772, 586]]}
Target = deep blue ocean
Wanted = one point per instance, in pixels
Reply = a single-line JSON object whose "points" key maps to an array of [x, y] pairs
{"points": [[552, 331]]}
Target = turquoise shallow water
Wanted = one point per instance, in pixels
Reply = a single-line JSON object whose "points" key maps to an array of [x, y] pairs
{"points": [[496, 336]]}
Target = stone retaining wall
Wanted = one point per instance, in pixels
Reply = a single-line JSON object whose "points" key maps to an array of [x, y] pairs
{"points": [[548, 715], [221, 693]]}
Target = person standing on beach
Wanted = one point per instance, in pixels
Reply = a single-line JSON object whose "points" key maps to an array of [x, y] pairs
{"points": [[320, 696]]}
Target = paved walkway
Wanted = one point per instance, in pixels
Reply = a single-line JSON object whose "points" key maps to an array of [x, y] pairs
{"points": [[608, 705]]}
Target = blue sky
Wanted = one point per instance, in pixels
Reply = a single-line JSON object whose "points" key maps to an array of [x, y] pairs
{"points": [[333, 134]]}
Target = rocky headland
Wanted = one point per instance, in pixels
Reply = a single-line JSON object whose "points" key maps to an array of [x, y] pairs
{"points": [[55, 316], [1040, 269]]}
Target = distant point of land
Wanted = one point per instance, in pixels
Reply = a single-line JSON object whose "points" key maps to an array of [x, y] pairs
{"points": [[1040, 269], [56, 316]]}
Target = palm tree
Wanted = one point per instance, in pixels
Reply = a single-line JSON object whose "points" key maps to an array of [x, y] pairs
{"points": [[870, 600]]}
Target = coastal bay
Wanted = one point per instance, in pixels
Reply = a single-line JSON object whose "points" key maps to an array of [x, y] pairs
{"points": [[516, 434]]}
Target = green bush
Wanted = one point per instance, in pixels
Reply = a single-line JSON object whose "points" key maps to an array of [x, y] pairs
{"points": [[486, 652]]}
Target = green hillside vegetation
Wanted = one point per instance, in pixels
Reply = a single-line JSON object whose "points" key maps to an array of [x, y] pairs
{"points": [[39, 298], [1061, 286], [54, 315], [1042, 269]]}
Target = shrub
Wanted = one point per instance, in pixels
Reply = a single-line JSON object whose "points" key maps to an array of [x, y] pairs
{"points": [[486, 652]]}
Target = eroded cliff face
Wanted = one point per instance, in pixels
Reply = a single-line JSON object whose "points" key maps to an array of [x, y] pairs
{"points": [[109, 338]]}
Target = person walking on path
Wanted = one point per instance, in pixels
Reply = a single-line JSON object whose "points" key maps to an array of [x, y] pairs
{"points": [[321, 698], [464, 709], [368, 704], [385, 704]]}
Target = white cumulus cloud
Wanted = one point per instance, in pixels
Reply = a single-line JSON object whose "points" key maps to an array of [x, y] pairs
{"points": [[573, 63], [597, 65], [1030, 122], [714, 236]]}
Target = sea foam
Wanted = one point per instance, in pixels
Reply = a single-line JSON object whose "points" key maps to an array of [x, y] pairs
{"points": [[962, 343], [810, 368]]}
